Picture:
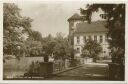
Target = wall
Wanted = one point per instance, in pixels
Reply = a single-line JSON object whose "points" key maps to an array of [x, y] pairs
{"points": [[104, 44], [15, 67]]}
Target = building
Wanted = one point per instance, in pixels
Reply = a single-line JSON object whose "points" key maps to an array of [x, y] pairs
{"points": [[80, 31]]}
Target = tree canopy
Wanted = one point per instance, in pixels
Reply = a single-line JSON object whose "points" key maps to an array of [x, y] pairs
{"points": [[58, 47], [36, 36], [114, 14], [15, 26], [91, 49]]}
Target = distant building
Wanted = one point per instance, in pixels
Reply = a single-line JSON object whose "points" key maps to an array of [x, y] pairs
{"points": [[80, 31]]}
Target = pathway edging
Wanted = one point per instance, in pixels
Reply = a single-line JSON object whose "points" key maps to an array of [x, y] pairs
{"points": [[55, 73]]}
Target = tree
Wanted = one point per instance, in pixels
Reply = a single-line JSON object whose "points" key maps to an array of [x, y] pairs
{"points": [[33, 48], [114, 14], [36, 36], [48, 44], [61, 47], [15, 26], [34, 44], [91, 49], [63, 50], [69, 49]]}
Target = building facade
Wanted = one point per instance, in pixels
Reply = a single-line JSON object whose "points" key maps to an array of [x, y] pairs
{"points": [[80, 31]]}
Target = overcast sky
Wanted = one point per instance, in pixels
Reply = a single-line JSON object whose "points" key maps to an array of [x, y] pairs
{"points": [[50, 18]]}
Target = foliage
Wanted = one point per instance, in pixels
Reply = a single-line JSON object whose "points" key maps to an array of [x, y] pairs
{"points": [[63, 50], [33, 69], [34, 44], [33, 48], [114, 14], [91, 49], [48, 44], [59, 49], [36, 36], [15, 26]]}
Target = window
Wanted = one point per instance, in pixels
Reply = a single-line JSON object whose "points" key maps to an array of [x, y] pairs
{"points": [[101, 39], [71, 24], [104, 51], [106, 38], [89, 37], [78, 50], [95, 38], [78, 39], [85, 39]]}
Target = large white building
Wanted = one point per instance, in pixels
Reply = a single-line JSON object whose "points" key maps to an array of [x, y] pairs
{"points": [[80, 31]]}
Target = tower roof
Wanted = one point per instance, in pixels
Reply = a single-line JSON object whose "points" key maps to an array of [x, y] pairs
{"points": [[76, 16]]}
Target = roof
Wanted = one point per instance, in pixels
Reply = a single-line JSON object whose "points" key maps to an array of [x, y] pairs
{"points": [[76, 16], [97, 26]]}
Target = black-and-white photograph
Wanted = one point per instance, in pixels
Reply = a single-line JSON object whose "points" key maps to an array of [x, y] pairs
{"points": [[63, 41]]}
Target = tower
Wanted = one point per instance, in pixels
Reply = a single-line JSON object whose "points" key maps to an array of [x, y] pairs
{"points": [[73, 21]]}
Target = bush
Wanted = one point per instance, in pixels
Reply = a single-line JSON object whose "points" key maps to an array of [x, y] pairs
{"points": [[33, 69], [74, 62]]}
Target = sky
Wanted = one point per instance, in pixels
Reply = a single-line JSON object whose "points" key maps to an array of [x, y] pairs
{"points": [[51, 17]]}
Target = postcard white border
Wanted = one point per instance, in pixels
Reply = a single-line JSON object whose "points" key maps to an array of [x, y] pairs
{"points": [[62, 82]]}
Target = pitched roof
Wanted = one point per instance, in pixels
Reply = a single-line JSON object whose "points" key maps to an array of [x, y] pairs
{"points": [[76, 16], [98, 26]]}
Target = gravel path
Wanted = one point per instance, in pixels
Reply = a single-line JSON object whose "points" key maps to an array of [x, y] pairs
{"points": [[87, 72]]}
